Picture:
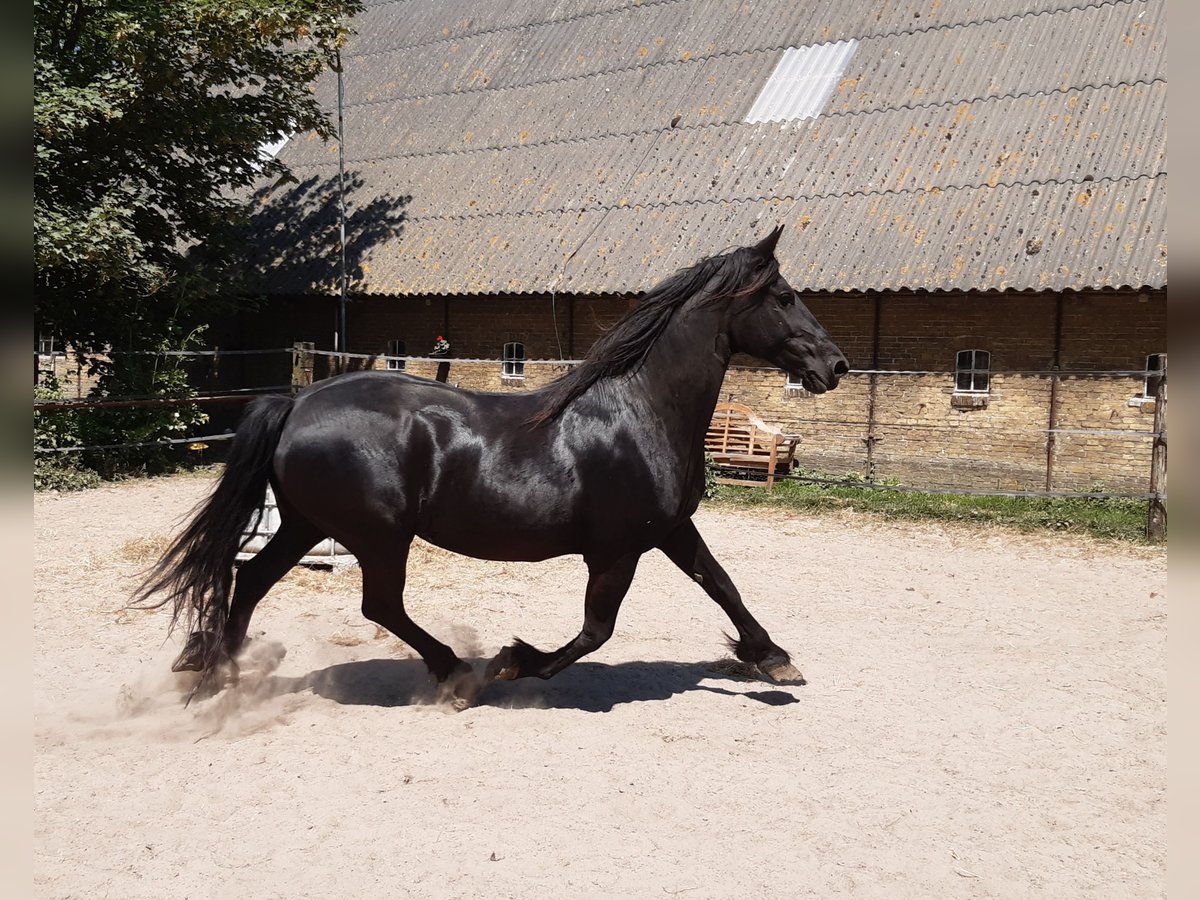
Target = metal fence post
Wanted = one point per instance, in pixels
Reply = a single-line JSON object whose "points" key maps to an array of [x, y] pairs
{"points": [[1156, 519], [1051, 436]]}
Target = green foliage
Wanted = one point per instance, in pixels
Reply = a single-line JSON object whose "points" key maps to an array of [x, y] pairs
{"points": [[61, 473], [141, 375], [148, 116], [144, 375], [1115, 519], [57, 471], [148, 119]]}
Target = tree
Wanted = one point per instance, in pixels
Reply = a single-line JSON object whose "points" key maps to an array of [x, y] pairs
{"points": [[148, 119]]}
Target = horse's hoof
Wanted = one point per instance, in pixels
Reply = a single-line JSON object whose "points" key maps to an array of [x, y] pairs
{"points": [[195, 652], [503, 666], [782, 673], [461, 688]]}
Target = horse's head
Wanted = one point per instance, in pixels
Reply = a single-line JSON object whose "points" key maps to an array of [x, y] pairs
{"points": [[770, 322]]}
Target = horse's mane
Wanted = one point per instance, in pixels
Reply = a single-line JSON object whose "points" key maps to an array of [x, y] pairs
{"points": [[623, 348]]}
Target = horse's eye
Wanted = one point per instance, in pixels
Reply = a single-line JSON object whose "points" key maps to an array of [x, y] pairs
{"points": [[787, 299]]}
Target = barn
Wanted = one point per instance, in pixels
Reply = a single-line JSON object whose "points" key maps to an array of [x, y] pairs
{"points": [[973, 194]]}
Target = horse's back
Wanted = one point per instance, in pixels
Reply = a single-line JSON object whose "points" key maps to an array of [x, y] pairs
{"points": [[460, 468], [399, 391]]}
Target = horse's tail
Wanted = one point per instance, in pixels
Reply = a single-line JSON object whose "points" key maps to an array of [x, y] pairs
{"points": [[195, 572]]}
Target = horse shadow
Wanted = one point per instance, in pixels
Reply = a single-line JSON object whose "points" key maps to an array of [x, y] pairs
{"points": [[585, 686]]}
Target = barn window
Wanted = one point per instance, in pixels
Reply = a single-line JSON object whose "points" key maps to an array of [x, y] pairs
{"points": [[973, 372], [513, 364], [802, 82], [45, 344], [396, 349], [1156, 365], [794, 387]]}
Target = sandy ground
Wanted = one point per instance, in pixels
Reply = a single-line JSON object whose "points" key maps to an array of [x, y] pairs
{"points": [[985, 717]]}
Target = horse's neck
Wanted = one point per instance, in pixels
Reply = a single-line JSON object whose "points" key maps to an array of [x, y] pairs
{"points": [[682, 376]]}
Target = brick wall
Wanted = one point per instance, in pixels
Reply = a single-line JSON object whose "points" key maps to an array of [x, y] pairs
{"points": [[922, 439], [922, 332], [921, 436], [479, 376], [72, 376]]}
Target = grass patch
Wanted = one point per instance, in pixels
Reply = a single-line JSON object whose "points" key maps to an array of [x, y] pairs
{"points": [[1123, 520]]}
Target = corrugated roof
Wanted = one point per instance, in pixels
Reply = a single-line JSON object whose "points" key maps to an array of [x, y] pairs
{"points": [[597, 146]]}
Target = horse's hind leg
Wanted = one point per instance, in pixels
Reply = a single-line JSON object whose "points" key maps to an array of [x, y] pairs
{"points": [[255, 577], [608, 582], [258, 574], [383, 602], [687, 549]]}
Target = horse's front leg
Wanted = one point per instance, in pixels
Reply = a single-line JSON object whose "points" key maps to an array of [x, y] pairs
{"points": [[687, 549], [608, 582], [384, 570]]}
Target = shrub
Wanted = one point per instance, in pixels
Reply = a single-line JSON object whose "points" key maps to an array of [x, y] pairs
{"points": [[59, 428], [149, 375], [140, 375]]}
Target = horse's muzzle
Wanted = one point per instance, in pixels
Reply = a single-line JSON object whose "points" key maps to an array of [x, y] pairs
{"points": [[819, 379], [818, 371]]}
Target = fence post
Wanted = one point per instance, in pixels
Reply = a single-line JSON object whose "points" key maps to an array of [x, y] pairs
{"points": [[302, 364], [1156, 519], [1051, 435], [873, 388]]}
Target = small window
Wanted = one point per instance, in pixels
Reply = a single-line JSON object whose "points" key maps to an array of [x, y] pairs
{"points": [[1156, 364], [396, 349], [973, 372], [794, 387], [513, 365], [45, 344]]}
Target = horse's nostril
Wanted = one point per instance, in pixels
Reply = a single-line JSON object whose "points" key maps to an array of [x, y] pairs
{"points": [[841, 367]]}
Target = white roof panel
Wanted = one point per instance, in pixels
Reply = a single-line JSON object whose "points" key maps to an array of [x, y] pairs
{"points": [[802, 82]]}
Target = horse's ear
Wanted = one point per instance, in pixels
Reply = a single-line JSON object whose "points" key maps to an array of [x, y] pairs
{"points": [[766, 247]]}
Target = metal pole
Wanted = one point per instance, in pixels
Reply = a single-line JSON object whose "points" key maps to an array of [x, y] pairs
{"points": [[1156, 519], [341, 332], [872, 390], [1051, 434]]}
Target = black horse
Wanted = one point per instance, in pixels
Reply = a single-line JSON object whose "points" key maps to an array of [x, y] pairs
{"points": [[606, 462]]}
